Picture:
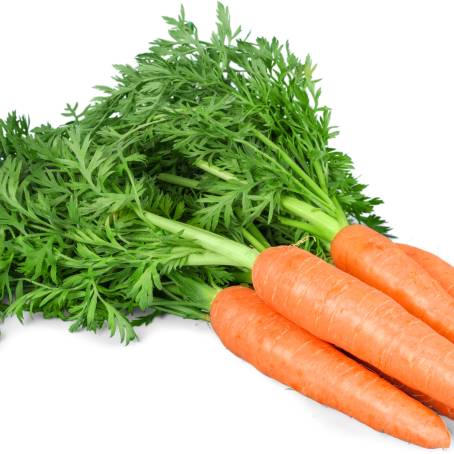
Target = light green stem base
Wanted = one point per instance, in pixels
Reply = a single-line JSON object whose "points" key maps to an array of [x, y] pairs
{"points": [[322, 225], [237, 254], [177, 180]]}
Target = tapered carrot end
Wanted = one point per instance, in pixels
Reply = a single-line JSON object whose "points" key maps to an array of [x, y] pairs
{"points": [[435, 435], [445, 440]]}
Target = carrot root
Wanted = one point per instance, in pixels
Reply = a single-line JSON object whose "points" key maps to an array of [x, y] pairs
{"points": [[342, 310], [428, 401], [289, 354], [440, 270], [377, 261]]}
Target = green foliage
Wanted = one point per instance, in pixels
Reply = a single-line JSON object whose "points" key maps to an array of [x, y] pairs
{"points": [[73, 243], [243, 120], [250, 109]]}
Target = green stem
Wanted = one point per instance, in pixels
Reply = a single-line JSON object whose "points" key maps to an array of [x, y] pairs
{"points": [[215, 170], [186, 297], [227, 176], [198, 292], [326, 226], [340, 213], [208, 259], [320, 175], [239, 254], [258, 235], [130, 132], [306, 227], [252, 239], [179, 181], [296, 168], [180, 308], [303, 189], [309, 228], [245, 277]]}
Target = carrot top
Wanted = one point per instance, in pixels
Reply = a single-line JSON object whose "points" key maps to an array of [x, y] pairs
{"points": [[228, 135], [76, 242], [240, 125]]}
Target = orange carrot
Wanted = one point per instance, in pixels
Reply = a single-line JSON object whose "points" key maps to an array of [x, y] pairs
{"points": [[360, 319], [428, 401], [287, 353], [440, 270], [376, 260]]}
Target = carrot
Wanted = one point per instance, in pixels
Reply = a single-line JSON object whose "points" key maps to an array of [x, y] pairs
{"points": [[360, 319], [426, 400], [376, 260], [287, 353], [337, 308], [440, 270]]}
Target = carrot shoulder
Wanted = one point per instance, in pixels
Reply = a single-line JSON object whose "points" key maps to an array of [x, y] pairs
{"points": [[287, 353], [360, 319], [440, 270], [376, 260]]}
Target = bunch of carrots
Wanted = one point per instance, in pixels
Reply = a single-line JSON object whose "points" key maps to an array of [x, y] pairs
{"points": [[204, 185]]}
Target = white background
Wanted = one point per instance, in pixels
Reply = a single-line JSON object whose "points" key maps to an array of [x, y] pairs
{"points": [[388, 73]]}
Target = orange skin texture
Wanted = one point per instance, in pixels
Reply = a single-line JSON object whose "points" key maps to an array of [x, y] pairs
{"points": [[440, 270], [439, 407], [340, 309], [280, 349], [377, 261]]}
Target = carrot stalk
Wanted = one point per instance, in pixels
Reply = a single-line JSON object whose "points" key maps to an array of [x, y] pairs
{"points": [[440, 270], [289, 354], [379, 262], [348, 313]]}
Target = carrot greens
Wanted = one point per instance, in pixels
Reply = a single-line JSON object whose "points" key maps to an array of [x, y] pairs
{"points": [[76, 243], [239, 124], [200, 151], [242, 123]]}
